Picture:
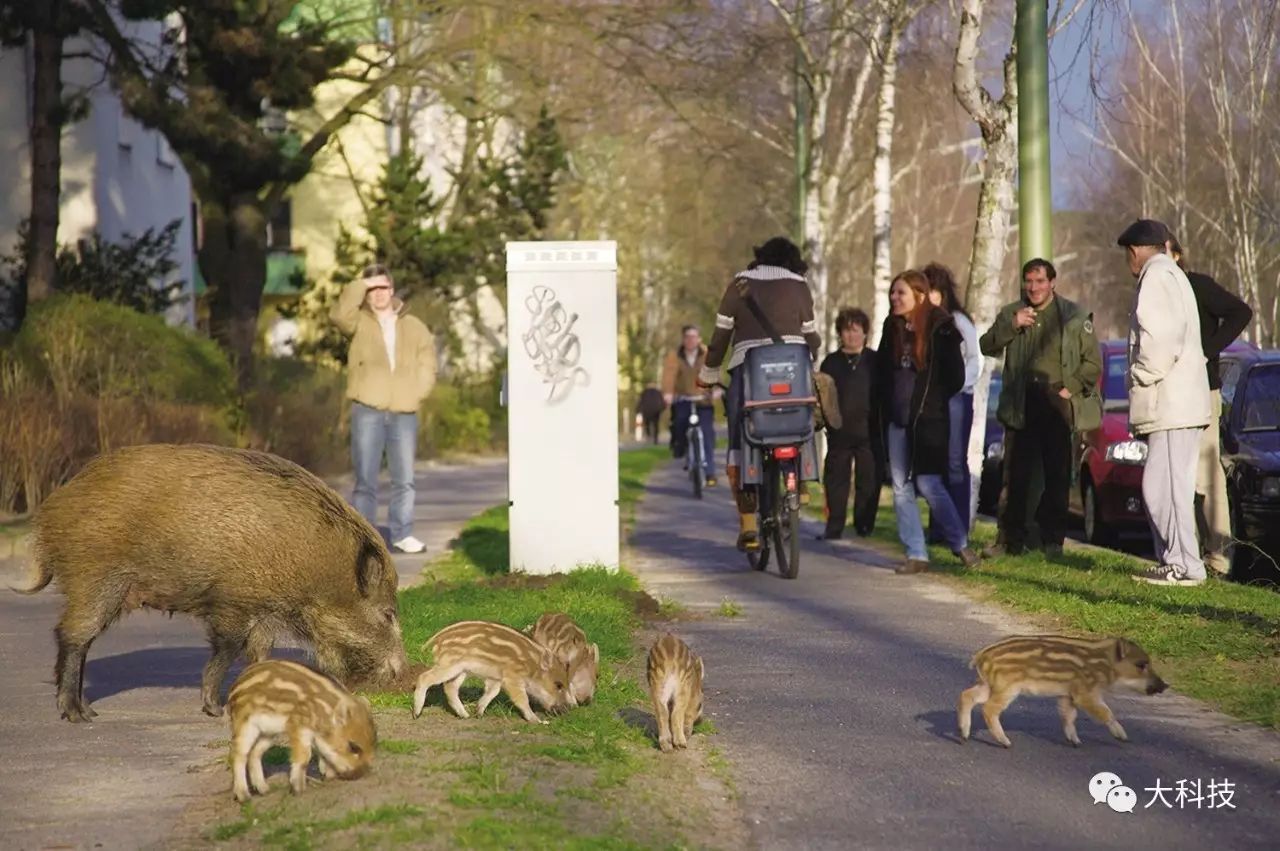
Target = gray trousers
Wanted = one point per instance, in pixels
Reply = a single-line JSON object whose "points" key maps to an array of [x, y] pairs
{"points": [[1169, 490]]}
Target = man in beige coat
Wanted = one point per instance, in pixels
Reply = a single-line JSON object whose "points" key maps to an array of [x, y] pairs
{"points": [[1169, 402], [391, 368]]}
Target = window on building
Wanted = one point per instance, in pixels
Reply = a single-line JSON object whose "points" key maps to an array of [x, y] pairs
{"points": [[280, 228]]}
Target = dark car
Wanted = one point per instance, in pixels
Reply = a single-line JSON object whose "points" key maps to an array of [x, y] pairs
{"points": [[1250, 429], [992, 453]]}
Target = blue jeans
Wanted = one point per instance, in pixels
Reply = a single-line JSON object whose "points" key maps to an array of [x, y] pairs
{"points": [[958, 477], [372, 432], [680, 411], [931, 487]]}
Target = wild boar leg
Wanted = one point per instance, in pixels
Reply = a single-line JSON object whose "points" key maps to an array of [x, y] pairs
{"points": [[991, 710], [520, 698], [257, 779], [1067, 709], [241, 752], [227, 646], [451, 689], [964, 710], [1092, 703], [258, 645], [491, 689], [74, 638], [662, 712], [434, 677], [678, 718], [299, 758]]}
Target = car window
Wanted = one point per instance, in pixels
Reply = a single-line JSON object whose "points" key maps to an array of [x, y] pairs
{"points": [[1261, 411], [1229, 372], [1115, 394]]}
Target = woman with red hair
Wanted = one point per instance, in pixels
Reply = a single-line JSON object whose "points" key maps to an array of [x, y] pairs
{"points": [[920, 370]]}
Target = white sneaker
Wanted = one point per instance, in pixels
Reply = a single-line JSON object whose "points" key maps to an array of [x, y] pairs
{"points": [[410, 545]]}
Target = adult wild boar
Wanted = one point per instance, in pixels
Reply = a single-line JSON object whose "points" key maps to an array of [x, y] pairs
{"points": [[248, 542]]}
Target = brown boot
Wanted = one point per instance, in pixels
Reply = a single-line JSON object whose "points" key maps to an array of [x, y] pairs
{"points": [[912, 565], [748, 533]]}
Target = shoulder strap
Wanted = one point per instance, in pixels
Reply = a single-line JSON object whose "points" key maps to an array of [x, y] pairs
{"points": [[744, 291]]}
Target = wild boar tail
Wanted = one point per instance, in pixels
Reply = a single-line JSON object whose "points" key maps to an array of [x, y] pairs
{"points": [[44, 575]]}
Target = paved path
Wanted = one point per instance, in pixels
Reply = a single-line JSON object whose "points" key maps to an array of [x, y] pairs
{"points": [[123, 781], [834, 698]]}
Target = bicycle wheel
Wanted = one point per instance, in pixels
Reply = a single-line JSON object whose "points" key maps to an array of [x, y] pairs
{"points": [[759, 559], [786, 531], [696, 470]]}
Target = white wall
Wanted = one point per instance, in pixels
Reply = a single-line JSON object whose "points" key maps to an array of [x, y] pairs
{"points": [[116, 188]]}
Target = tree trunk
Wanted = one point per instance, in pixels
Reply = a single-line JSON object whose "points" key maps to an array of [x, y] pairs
{"points": [[998, 120], [233, 259], [46, 164], [882, 181]]}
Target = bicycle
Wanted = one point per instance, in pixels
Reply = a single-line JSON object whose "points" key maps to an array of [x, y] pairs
{"points": [[697, 454], [778, 492]]}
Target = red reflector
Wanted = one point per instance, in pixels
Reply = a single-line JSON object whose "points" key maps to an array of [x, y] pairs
{"points": [[785, 452], [779, 389]]}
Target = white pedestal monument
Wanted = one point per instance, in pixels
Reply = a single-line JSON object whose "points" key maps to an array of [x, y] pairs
{"points": [[562, 397]]}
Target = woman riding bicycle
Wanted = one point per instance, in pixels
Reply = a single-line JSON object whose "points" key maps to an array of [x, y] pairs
{"points": [[775, 281]]}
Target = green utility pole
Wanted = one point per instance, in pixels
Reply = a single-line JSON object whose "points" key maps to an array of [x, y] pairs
{"points": [[801, 128], [1035, 201]]}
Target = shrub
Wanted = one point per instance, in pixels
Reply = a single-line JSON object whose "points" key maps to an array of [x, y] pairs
{"points": [[78, 345], [450, 424], [297, 409], [85, 377]]}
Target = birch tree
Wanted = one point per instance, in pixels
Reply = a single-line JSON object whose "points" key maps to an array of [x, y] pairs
{"points": [[997, 121], [897, 16]]}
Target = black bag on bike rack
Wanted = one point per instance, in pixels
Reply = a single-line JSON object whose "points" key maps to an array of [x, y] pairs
{"points": [[778, 395]]}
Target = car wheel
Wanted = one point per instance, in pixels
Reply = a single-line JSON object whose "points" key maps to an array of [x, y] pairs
{"points": [[1096, 530]]}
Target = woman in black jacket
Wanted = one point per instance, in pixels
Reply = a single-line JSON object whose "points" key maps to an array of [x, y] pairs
{"points": [[920, 368], [856, 445]]}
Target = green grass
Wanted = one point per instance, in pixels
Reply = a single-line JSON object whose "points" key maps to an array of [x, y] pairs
{"points": [[482, 548], [1219, 642], [729, 608]]}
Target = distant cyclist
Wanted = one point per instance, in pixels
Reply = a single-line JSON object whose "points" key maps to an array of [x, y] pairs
{"points": [[680, 390], [775, 280]]}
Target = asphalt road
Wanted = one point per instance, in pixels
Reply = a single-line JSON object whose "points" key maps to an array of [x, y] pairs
{"points": [[833, 695], [124, 780]]}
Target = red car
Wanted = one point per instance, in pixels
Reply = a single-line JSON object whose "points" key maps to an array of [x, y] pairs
{"points": [[1109, 461]]}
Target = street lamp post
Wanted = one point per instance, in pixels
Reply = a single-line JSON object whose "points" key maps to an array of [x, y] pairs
{"points": [[1035, 224]]}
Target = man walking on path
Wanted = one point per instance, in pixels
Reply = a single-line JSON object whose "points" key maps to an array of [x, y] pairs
{"points": [[856, 444], [1051, 369], [1222, 318], [1168, 400], [680, 390], [391, 368]]}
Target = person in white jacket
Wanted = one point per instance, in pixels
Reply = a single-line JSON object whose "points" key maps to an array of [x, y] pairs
{"points": [[1169, 401], [960, 482]]}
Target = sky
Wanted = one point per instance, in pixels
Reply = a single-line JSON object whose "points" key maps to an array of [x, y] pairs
{"points": [[1072, 106]]}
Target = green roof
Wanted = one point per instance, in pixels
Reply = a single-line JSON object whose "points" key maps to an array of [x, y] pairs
{"points": [[283, 271]]}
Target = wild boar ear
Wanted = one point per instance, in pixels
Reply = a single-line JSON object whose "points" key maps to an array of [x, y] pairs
{"points": [[371, 568], [364, 700], [702, 672], [595, 653], [1122, 648]]}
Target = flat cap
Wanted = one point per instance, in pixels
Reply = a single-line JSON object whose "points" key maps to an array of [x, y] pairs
{"points": [[1145, 232]]}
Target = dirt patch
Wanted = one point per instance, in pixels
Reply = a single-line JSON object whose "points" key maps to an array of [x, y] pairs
{"points": [[492, 782]]}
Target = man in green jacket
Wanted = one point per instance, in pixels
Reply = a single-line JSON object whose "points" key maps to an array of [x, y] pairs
{"points": [[391, 368], [1051, 369]]}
